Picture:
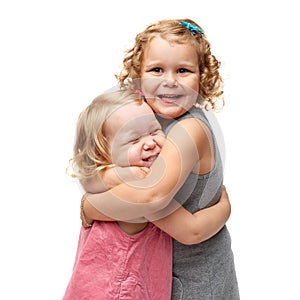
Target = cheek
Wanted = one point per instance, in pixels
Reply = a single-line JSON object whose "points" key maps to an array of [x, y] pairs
{"points": [[160, 141], [151, 102], [133, 155], [149, 85], [196, 87], [192, 84], [119, 156]]}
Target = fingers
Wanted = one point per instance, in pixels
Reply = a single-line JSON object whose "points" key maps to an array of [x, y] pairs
{"points": [[224, 195], [224, 191]]}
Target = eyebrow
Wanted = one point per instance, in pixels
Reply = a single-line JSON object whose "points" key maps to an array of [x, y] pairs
{"points": [[183, 64], [151, 65]]}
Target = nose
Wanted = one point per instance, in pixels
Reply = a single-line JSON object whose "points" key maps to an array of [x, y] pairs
{"points": [[149, 143], [170, 80]]}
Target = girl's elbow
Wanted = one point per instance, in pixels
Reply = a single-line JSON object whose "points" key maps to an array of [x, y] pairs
{"points": [[157, 200], [191, 239]]}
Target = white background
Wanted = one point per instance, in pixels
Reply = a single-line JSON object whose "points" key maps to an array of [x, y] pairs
{"points": [[56, 56]]}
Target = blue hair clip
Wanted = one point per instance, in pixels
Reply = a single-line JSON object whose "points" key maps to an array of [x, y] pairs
{"points": [[192, 28]]}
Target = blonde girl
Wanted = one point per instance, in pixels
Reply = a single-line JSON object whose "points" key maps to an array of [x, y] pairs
{"points": [[122, 260]]}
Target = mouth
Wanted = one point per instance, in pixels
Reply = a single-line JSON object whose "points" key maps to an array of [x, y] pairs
{"points": [[169, 98], [149, 160]]}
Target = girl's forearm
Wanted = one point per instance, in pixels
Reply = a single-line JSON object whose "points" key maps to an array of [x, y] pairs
{"points": [[195, 228], [209, 222], [116, 208], [94, 184], [107, 179], [112, 176], [191, 229], [93, 214]]}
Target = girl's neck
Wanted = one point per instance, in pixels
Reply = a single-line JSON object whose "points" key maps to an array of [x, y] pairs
{"points": [[164, 122]]}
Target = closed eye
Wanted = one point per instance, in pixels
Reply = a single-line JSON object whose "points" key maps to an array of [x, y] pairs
{"points": [[157, 132], [135, 140]]}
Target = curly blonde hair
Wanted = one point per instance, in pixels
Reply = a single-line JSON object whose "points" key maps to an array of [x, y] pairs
{"points": [[211, 83], [91, 148]]}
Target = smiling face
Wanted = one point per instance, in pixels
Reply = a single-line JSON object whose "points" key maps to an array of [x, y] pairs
{"points": [[170, 77], [134, 135]]}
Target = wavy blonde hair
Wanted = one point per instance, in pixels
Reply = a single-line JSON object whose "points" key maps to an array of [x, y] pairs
{"points": [[91, 147], [211, 83]]}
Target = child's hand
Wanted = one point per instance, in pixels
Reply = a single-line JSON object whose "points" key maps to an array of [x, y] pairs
{"points": [[137, 172], [224, 195], [224, 199], [86, 223]]}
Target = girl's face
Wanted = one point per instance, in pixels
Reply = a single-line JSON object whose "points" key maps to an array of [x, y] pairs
{"points": [[170, 77], [134, 135]]}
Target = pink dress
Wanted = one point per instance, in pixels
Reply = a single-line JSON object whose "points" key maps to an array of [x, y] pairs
{"points": [[111, 264]]}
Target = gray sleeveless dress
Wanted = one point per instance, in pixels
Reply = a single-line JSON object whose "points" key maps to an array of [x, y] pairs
{"points": [[203, 271]]}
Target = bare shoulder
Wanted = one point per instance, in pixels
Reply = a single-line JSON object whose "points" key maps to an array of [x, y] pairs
{"points": [[195, 129]]}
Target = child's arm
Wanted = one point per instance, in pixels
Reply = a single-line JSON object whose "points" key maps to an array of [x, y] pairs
{"points": [[111, 176], [106, 179], [195, 228], [186, 144]]}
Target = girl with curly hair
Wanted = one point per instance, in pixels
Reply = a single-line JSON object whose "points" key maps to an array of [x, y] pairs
{"points": [[172, 65]]}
